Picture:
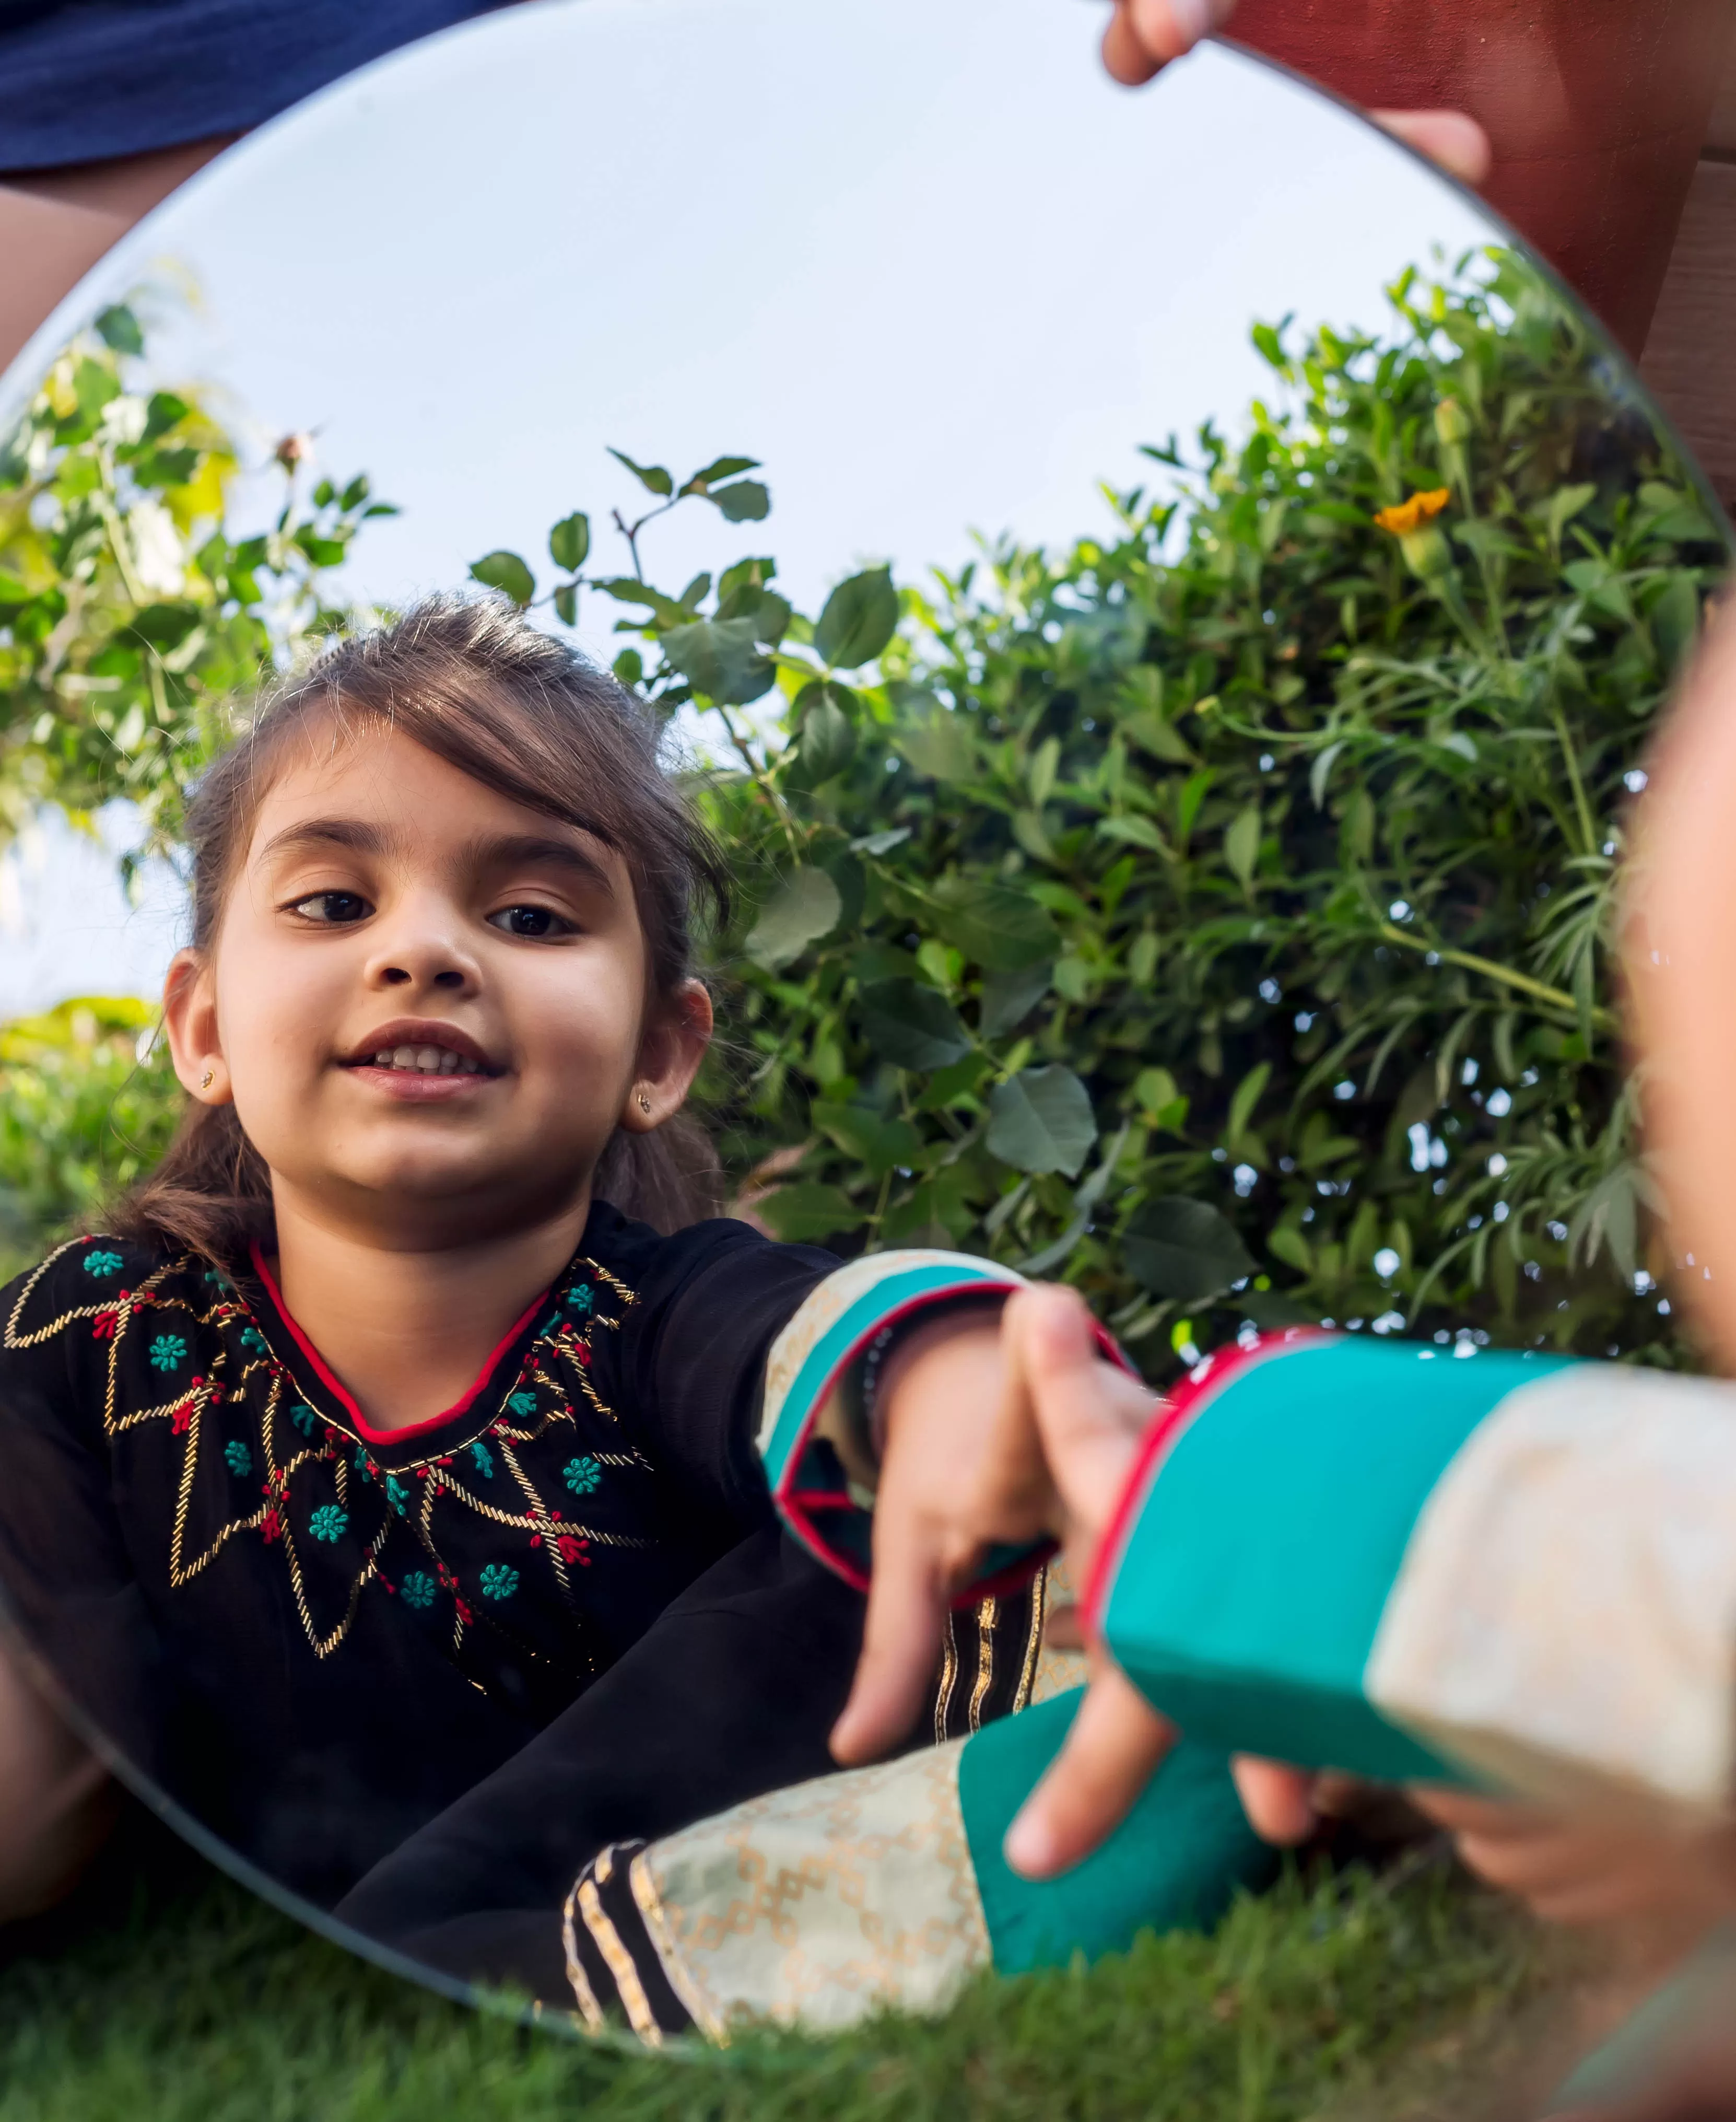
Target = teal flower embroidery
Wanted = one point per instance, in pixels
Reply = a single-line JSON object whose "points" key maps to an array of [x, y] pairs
{"points": [[580, 1300], [484, 1459], [102, 1265], [581, 1475], [253, 1340], [394, 1494], [417, 1589], [363, 1466], [500, 1580], [238, 1458], [304, 1419], [168, 1352], [522, 1404], [328, 1522]]}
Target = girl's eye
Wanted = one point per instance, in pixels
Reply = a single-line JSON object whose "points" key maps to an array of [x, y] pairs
{"points": [[332, 910], [530, 921]]}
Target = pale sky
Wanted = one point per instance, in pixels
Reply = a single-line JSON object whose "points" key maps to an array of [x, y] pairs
{"points": [[924, 261]]}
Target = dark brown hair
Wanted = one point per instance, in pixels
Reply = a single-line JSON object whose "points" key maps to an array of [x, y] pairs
{"points": [[474, 683]]}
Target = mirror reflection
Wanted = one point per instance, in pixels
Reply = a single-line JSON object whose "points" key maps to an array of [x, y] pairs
{"points": [[727, 772]]}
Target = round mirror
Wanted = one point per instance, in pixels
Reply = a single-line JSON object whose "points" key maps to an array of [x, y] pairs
{"points": [[1159, 601]]}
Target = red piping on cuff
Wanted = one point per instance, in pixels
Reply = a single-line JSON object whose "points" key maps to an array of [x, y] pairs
{"points": [[796, 1506], [1178, 1414]]}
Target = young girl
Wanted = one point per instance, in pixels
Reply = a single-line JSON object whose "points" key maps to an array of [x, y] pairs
{"points": [[387, 1476]]}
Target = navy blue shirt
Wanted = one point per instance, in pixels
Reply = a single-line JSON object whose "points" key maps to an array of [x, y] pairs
{"points": [[81, 80]]}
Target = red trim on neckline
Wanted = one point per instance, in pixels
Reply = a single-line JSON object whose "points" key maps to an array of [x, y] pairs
{"points": [[323, 1372], [1176, 1413]]}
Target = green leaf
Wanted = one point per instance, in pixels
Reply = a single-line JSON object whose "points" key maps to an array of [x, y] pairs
{"points": [[881, 843], [1135, 831], [1042, 1121], [825, 736], [1008, 998], [507, 573], [911, 1025], [1184, 1250], [860, 617], [996, 926], [804, 907], [652, 477], [879, 1145], [117, 329], [719, 468], [569, 542], [722, 659], [1242, 1105], [567, 604], [1242, 844], [940, 745], [746, 501], [802, 1212]]}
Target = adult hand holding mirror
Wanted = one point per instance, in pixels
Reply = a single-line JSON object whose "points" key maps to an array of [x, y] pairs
{"points": [[1043, 863], [1144, 36]]}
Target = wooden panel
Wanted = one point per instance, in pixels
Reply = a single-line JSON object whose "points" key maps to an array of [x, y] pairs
{"points": [[1691, 356]]}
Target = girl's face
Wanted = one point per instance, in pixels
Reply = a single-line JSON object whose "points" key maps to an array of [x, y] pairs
{"points": [[428, 1002]]}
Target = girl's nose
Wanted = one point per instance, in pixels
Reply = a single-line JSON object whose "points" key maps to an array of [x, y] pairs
{"points": [[423, 954]]}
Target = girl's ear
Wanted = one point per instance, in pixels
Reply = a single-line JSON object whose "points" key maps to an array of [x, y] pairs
{"points": [[669, 1055], [190, 1017]]}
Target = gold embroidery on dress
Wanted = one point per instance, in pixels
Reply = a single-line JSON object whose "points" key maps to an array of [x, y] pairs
{"points": [[986, 1614], [949, 1677], [116, 1315], [663, 1943], [575, 1974], [616, 1957]]}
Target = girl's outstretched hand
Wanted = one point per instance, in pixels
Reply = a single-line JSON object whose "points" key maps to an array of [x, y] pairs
{"points": [[968, 1464]]}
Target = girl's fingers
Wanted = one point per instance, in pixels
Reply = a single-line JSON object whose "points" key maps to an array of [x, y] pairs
{"points": [[1452, 140], [1089, 1416], [1116, 1743], [907, 1611], [1277, 1799]]}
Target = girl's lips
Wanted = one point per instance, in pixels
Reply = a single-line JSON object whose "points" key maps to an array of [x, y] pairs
{"points": [[419, 1086]]}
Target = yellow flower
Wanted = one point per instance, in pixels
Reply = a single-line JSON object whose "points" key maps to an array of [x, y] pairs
{"points": [[1409, 517]]}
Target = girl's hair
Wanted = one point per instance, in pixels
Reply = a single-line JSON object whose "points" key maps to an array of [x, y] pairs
{"points": [[473, 682]]}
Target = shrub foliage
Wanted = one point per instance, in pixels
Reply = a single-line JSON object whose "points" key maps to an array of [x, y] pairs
{"points": [[1216, 914]]}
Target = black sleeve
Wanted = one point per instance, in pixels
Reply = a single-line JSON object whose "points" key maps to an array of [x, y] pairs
{"points": [[693, 1352], [731, 1693], [66, 1581]]}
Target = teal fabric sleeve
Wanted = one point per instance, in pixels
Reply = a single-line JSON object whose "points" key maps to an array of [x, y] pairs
{"points": [[1175, 1863], [1249, 1576]]}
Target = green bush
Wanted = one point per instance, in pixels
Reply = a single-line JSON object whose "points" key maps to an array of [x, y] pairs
{"points": [[1216, 914], [79, 1114]]}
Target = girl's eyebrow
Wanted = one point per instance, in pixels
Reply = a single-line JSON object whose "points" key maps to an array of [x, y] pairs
{"points": [[355, 835], [540, 850], [494, 851]]}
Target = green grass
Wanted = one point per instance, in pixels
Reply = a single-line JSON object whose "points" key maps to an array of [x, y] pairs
{"points": [[184, 1998]]}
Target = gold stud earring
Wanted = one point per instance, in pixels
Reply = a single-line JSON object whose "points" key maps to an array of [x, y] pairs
{"points": [[645, 1103], [208, 1079]]}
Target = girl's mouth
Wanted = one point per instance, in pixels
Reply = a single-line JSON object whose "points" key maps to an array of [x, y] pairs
{"points": [[426, 1061], [418, 1059]]}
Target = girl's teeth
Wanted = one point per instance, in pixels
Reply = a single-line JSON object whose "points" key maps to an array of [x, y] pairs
{"points": [[427, 1061]]}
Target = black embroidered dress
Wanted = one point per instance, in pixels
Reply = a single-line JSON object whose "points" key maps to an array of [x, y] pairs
{"points": [[320, 1638]]}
